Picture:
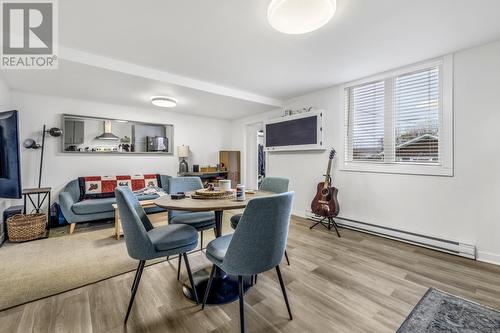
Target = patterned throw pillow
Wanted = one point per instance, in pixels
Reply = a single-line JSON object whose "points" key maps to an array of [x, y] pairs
{"points": [[96, 187]]}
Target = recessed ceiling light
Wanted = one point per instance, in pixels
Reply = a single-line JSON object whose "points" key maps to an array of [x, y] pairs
{"points": [[164, 102], [300, 16]]}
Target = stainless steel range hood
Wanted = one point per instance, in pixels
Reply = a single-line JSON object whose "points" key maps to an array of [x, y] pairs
{"points": [[107, 135]]}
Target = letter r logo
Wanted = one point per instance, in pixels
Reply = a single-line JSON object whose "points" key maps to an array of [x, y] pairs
{"points": [[27, 28]]}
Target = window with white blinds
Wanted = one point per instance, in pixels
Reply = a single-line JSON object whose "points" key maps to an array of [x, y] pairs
{"points": [[416, 111], [397, 119], [366, 122]]}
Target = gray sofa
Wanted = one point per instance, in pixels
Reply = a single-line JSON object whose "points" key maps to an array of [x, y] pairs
{"points": [[76, 211]]}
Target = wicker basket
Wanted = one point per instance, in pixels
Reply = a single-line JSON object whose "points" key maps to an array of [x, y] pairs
{"points": [[22, 228]]}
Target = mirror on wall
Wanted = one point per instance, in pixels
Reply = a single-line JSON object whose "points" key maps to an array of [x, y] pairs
{"points": [[84, 134]]}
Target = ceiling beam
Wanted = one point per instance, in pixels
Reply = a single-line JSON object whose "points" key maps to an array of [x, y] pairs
{"points": [[112, 64]]}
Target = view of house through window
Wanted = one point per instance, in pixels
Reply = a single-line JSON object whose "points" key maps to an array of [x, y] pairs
{"points": [[395, 120], [417, 116]]}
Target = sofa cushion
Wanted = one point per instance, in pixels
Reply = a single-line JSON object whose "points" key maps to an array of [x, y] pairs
{"points": [[93, 206]]}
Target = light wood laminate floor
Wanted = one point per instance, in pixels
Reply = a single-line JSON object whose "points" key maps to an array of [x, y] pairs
{"points": [[359, 283]]}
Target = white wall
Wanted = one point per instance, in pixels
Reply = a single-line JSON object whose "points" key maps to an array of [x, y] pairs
{"points": [[464, 207], [205, 136]]}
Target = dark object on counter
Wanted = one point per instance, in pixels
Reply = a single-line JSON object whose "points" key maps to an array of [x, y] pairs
{"points": [[156, 143], [196, 168], [177, 196], [125, 147]]}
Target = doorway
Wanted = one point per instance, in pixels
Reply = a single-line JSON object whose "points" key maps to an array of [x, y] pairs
{"points": [[255, 163]]}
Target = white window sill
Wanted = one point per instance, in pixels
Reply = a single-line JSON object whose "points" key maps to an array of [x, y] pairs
{"points": [[406, 169]]}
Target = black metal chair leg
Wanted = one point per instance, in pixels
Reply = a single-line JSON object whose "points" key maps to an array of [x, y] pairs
{"points": [[179, 267], [242, 305], [256, 278], [201, 240], [209, 284], [284, 291], [135, 286], [191, 280], [287, 260], [135, 277]]}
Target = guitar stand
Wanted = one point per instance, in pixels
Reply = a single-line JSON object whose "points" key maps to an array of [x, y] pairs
{"points": [[328, 225]]}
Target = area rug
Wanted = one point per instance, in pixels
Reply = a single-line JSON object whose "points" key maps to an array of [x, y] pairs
{"points": [[438, 311], [45, 267]]}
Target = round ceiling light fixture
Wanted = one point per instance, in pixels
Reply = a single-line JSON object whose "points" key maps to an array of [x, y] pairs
{"points": [[164, 101], [300, 16]]}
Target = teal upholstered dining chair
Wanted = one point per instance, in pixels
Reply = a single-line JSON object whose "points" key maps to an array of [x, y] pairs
{"points": [[269, 184], [199, 220], [144, 242], [257, 245]]}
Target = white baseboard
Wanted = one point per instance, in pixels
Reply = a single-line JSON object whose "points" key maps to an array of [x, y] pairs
{"points": [[488, 257], [428, 241]]}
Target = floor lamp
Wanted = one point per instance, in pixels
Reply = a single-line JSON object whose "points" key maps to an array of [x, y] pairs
{"points": [[31, 144]]}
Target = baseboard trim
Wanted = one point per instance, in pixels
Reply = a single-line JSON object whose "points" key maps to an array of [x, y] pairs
{"points": [[432, 242], [487, 257]]}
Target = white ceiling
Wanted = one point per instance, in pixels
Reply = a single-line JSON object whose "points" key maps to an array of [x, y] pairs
{"points": [[229, 42], [227, 48], [75, 80]]}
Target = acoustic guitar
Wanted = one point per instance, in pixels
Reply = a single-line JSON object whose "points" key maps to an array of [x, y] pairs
{"points": [[325, 203]]}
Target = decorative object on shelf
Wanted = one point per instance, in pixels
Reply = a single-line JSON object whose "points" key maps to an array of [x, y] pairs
{"points": [[32, 144], [290, 112], [183, 152], [298, 16], [208, 169], [196, 168]]}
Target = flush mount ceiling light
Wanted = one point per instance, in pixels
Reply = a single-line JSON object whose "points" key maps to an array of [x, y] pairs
{"points": [[300, 16], [164, 102]]}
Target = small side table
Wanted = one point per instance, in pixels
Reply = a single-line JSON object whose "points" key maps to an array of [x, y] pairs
{"points": [[42, 194], [118, 221]]}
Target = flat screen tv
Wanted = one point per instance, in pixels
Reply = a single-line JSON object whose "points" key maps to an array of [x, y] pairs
{"points": [[10, 169], [298, 132]]}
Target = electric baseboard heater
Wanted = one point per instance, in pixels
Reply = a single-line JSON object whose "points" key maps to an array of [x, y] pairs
{"points": [[431, 242]]}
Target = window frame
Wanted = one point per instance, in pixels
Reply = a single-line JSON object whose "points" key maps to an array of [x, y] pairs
{"points": [[446, 125]]}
